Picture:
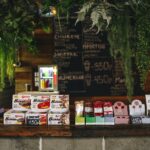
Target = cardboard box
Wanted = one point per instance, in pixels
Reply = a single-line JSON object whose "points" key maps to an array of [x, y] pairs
{"points": [[40, 103], [136, 108], [21, 102], [109, 121], [12, 117], [90, 120], [145, 120], [108, 109], [58, 118], [136, 120], [122, 120], [99, 120], [120, 109], [79, 120], [59, 103], [36, 118]]}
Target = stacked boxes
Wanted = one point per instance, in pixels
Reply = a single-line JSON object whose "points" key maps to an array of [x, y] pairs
{"points": [[38, 109], [59, 110], [93, 113]]}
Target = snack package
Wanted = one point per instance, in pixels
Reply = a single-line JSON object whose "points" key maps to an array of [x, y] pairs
{"points": [[79, 108], [136, 108], [79, 113], [108, 109], [21, 102], [40, 103], [59, 103], [88, 109], [36, 118], [98, 108], [13, 117], [58, 118]]}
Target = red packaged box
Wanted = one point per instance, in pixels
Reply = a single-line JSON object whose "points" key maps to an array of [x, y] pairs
{"points": [[98, 108]]}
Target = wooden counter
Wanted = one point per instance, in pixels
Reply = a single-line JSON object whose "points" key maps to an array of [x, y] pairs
{"points": [[78, 131], [74, 131]]}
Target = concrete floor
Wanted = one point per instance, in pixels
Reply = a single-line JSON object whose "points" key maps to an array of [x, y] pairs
{"points": [[132, 143]]}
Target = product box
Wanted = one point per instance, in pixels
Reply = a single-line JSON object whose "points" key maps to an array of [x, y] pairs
{"points": [[109, 121], [122, 119], [40, 103], [136, 120], [136, 108], [13, 117], [145, 120], [99, 120], [59, 103], [120, 109], [36, 118], [21, 102], [90, 120], [79, 120], [98, 108], [108, 109], [58, 118]]}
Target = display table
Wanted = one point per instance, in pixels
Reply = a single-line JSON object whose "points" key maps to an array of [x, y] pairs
{"points": [[77, 131]]}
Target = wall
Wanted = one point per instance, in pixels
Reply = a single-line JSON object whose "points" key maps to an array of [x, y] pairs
{"points": [[122, 143]]}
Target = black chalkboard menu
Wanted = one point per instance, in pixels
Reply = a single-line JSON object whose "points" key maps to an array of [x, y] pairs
{"points": [[84, 63]]}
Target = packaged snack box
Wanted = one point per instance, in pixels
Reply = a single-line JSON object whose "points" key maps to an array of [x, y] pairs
{"points": [[40, 103], [36, 118], [59, 103], [58, 118], [13, 117], [137, 108], [21, 102]]}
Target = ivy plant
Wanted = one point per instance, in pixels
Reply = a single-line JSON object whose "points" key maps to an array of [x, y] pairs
{"points": [[18, 21]]}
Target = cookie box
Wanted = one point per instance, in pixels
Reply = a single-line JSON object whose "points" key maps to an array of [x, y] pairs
{"points": [[40, 103], [36, 118], [58, 118], [21, 102], [59, 103], [13, 117]]}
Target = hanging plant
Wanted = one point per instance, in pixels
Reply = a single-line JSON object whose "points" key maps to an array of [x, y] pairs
{"points": [[18, 21], [126, 22]]}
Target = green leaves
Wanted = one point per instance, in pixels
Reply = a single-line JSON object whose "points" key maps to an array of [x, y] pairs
{"points": [[16, 27], [128, 26]]}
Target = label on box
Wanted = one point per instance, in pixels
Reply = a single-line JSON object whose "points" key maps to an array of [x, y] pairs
{"points": [[59, 103], [40, 103], [21, 102], [33, 118], [12, 117], [58, 119]]}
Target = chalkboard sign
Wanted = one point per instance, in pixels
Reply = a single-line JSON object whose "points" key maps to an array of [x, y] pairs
{"points": [[84, 62]]}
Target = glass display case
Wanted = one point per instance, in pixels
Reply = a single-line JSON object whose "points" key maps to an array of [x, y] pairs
{"points": [[48, 78]]}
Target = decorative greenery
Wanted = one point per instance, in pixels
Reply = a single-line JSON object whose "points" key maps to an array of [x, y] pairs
{"points": [[18, 21], [128, 26]]}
